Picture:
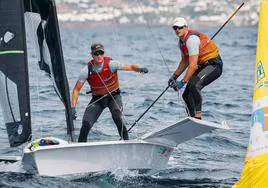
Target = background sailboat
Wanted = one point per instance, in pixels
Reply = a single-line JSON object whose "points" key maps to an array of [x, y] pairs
{"points": [[255, 169]]}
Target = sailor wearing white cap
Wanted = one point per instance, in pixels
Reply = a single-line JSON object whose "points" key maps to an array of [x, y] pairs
{"points": [[200, 56]]}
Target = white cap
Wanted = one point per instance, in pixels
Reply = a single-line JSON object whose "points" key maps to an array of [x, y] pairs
{"points": [[180, 22]]}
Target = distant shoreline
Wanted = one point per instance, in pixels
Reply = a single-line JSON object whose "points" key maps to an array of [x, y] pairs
{"points": [[90, 24]]}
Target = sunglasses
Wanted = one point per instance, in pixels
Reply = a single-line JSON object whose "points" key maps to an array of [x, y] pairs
{"points": [[177, 27], [97, 53]]}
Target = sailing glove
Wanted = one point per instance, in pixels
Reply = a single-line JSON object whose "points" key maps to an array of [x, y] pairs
{"points": [[144, 70], [74, 114], [172, 79], [180, 84], [173, 84], [177, 85]]}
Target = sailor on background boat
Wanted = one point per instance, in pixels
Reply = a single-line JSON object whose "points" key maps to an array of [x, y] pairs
{"points": [[101, 74], [201, 56]]}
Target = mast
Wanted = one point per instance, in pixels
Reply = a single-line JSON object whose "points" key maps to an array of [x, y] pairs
{"points": [[64, 82]]}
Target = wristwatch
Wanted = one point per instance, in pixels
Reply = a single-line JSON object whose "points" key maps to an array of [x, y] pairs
{"points": [[183, 81]]}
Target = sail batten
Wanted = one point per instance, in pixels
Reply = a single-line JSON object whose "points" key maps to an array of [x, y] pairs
{"points": [[11, 52]]}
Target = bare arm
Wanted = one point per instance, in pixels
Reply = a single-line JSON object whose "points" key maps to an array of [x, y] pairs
{"points": [[182, 66], [191, 68], [131, 67], [75, 93]]}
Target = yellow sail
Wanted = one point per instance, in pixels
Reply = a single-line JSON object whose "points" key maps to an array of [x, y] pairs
{"points": [[255, 172]]}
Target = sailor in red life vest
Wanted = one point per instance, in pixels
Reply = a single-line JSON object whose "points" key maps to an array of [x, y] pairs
{"points": [[101, 74], [200, 56]]}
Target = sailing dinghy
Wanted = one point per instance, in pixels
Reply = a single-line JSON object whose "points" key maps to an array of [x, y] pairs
{"points": [[151, 152], [52, 156]]}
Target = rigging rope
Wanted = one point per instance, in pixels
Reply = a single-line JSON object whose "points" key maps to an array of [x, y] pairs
{"points": [[127, 86], [164, 60], [158, 47]]}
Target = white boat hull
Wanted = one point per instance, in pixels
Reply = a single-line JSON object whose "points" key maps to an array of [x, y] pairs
{"points": [[152, 152], [76, 158]]}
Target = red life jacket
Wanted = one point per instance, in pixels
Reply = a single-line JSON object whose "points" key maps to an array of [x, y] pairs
{"points": [[104, 82], [207, 48]]}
